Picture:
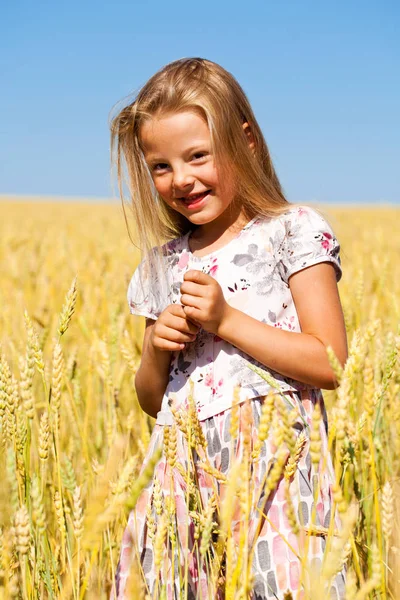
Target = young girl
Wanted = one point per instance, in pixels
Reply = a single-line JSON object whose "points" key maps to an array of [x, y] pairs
{"points": [[243, 279]]}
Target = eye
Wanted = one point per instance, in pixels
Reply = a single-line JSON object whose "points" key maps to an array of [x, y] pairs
{"points": [[199, 155], [159, 167]]}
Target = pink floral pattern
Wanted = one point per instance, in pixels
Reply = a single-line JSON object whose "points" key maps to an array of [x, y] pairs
{"points": [[253, 270], [277, 550]]}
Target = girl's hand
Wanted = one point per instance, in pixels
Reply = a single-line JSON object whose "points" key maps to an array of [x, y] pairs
{"points": [[172, 330], [203, 300]]}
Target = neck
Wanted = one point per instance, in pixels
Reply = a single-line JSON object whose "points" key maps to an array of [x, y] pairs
{"points": [[224, 226]]}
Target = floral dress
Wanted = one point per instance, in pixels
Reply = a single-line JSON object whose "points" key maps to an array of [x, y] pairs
{"points": [[253, 270]]}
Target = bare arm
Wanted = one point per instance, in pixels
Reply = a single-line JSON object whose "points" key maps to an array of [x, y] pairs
{"points": [[169, 333], [301, 356], [152, 376]]}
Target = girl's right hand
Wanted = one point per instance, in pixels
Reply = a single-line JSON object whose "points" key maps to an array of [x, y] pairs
{"points": [[172, 330]]}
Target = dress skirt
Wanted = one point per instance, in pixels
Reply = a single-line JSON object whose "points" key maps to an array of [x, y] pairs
{"points": [[172, 547]]}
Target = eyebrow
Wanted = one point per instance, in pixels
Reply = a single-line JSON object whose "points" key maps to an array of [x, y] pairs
{"points": [[155, 159]]}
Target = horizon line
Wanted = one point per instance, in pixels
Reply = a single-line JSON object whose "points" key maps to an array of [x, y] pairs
{"points": [[113, 200]]}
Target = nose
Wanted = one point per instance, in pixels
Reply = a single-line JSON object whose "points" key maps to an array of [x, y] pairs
{"points": [[183, 179]]}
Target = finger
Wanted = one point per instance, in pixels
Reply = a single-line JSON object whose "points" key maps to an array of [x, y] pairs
{"points": [[175, 309], [192, 326], [196, 323], [180, 323], [197, 277], [194, 289], [192, 313], [167, 346], [173, 335], [194, 301]]}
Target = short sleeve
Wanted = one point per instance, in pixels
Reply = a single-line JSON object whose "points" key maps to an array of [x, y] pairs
{"points": [[146, 291], [305, 239]]}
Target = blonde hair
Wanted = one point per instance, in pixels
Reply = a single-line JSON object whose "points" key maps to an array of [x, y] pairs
{"points": [[205, 87]]}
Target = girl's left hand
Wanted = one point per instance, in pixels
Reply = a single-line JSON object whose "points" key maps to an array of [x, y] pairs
{"points": [[203, 300]]}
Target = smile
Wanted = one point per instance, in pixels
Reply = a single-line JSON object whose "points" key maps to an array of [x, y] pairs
{"points": [[195, 200]]}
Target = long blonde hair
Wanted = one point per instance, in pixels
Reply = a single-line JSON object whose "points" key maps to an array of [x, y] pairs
{"points": [[205, 87]]}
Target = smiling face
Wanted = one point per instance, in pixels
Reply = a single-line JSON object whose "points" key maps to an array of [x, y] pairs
{"points": [[177, 150]]}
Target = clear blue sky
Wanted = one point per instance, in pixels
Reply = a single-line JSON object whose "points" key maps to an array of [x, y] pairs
{"points": [[322, 76]]}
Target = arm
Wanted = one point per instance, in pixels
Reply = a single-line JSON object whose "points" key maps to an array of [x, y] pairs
{"points": [[301, 356], [152, 376], [169, 333]]}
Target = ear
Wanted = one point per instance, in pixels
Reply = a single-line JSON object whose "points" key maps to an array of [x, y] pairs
{"points": [[249, 135]]}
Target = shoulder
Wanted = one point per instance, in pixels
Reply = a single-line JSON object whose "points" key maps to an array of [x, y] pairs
{"points": [[302, 214], [295, 216], [174, 246], [304, 237], [163, 254], [305, 224], [151, 287]]}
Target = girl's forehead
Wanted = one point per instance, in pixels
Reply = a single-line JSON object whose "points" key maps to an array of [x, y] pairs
{"points": [[174, 127]]}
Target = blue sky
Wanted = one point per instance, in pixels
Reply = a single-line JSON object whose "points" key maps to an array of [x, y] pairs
{"points": [[323, 78]]}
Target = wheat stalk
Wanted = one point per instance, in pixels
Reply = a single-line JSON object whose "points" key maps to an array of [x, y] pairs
{"points": [[68, 308]]}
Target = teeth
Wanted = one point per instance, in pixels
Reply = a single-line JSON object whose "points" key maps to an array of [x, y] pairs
{"points": [[191, 198]]}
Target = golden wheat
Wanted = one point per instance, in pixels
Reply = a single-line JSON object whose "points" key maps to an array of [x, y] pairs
{"points": [[73, 436]]}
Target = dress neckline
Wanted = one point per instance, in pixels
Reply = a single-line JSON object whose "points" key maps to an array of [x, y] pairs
{"points": [[215, 252]]}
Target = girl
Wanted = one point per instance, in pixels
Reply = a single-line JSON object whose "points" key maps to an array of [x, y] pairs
{"points": [[244, 280]]}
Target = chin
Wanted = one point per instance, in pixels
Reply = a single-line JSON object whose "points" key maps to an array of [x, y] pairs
{"points": [[199, 221], [202, 218]]}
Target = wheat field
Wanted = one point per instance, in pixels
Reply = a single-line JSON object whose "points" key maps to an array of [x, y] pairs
{"points": [[73, 436]]}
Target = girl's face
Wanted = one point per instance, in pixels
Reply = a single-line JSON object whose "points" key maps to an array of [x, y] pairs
{"points": [[177, 150]]}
